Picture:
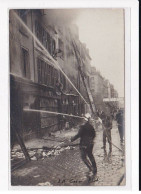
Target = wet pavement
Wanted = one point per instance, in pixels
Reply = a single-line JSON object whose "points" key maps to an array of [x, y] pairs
{"points": [[58, 162]]}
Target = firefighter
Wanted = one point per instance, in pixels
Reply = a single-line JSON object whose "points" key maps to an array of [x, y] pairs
{"points": [[107, 126], [87, 134], [120, 122]]}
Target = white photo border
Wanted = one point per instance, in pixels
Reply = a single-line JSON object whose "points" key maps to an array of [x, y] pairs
{"points": [[131, 85]]}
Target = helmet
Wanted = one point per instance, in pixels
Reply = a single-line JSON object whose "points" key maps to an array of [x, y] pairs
{"points": [[87, 116]]}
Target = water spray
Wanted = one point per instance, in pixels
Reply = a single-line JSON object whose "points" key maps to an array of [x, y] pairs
{"points": [[50, 112], [48, 54]]}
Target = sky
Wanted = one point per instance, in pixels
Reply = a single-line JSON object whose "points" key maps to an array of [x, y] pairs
{"points": [[103, 32]]}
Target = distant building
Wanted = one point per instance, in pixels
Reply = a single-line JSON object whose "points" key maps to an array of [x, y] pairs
{"points": [[101, 88], [97, 88]]}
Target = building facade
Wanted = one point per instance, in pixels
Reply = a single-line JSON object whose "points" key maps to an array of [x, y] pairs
{"points": [[39, 71], [101, 88]]}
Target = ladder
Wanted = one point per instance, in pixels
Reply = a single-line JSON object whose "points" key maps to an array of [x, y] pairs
{"points": [[85, 83]]}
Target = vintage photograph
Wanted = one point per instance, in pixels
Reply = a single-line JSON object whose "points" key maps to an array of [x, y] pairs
{"points": [[67, 97]]}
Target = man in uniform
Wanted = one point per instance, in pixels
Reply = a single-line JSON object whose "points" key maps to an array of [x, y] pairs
{"points": [[120, 122], [107, 126], [87, 134]]}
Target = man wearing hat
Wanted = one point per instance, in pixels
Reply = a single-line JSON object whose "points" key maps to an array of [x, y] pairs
{"points": [[87, 134]]}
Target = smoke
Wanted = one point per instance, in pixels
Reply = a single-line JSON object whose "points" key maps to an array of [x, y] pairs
{"points": [[61, 16]]}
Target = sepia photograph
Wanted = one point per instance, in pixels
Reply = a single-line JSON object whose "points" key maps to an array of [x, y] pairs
{"points": [[67, 97]]}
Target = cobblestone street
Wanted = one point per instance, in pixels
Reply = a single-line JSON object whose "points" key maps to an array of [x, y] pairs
{"points": [[67, 168]]}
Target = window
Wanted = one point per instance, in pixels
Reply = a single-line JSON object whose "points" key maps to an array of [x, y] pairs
{"points": [[41, 33], [55, 76], [49, 74], [46, 73], [39, 70], [63, 80], [23, 14], [53, 46], [37, 29], [61, 47], [25, 63], [45, 38], [49, 43], [43, 71]]}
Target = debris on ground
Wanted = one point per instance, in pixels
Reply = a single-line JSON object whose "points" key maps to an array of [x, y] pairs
{"points": [[34, 158], [67, 148], [36, 176], [41, 153], [45, 184], [49, 146]]}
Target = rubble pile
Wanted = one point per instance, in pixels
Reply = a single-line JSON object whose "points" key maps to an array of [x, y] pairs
{"points": [[41, 153], [15, 154]]}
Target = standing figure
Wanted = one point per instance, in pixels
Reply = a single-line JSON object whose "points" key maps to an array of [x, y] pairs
{"points": [[103, 118], [120, 122], [87, 134], [107, 126]]}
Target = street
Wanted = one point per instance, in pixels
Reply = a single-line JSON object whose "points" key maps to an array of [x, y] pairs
{"points": [[63, 166]]}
